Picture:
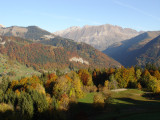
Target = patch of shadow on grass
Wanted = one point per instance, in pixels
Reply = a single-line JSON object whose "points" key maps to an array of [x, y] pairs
{"points": [[87, 111], [151, 96]]}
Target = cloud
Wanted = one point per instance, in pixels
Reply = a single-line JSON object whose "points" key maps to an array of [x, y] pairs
{"points": [[136, 9]]}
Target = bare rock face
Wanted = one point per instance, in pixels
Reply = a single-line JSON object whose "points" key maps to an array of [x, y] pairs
{"points": [[100, 37]]}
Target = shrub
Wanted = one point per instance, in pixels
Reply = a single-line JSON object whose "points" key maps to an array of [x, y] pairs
{"points": [[90, 88], [139, 86], [5, 107], [98, 100]]}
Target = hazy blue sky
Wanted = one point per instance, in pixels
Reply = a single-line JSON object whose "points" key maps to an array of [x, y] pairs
{"points": [[54, 15]]}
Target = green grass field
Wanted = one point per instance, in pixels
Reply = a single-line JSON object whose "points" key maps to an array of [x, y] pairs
{"points": [[20, 70], [131, 104], [87, 99]]}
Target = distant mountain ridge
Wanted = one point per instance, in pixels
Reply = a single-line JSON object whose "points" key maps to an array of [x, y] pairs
{"points": [[128, 52], [100, 36], [150, 53], [30, 32]]}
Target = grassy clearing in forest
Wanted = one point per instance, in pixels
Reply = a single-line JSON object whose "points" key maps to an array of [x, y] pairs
{"points": [[87, 99], [131, 104], [20, 70]]}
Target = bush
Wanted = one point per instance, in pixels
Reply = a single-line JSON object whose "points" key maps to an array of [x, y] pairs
{"points": [[108, 98], [98, 100], [103, 98], [139, 86], [90, 88], [5, 107]]}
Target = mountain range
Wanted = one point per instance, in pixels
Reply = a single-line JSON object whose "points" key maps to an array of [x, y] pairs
{"points": [[30, 32], [138, 50], [52, 53], [100, 37], [150, 53], [41, 49]]}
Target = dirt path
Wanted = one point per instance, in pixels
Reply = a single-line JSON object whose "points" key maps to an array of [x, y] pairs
{"points": [[118, 90]]}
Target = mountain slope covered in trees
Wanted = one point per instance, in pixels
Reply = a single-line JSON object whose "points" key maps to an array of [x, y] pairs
{"points": [[58, 53], [127, 51], [150, 53]]}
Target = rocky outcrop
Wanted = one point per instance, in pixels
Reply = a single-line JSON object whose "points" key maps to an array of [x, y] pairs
{"points": [[75, 59]]}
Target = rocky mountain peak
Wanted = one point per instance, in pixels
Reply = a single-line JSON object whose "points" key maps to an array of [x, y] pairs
{"points": [[100, 37]]}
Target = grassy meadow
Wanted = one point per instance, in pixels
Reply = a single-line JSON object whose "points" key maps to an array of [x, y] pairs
{"points": [[131, 104], [18, 70]]}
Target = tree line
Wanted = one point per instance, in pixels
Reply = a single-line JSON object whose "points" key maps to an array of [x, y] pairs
{"points": [[50, 95]]}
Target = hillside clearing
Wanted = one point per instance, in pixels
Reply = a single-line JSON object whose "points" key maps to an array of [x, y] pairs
{"points": [[129, 104]]}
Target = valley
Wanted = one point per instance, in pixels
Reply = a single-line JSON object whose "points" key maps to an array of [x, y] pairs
{"points": [[45, 76], [129, 52], [80, 60]]}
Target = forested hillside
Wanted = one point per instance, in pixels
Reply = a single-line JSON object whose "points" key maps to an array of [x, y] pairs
{"points": [[127, 52], [87, 93], [58, 53], [150, 53]]}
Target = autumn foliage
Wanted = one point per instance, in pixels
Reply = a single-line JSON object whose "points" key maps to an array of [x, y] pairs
{"points": [[32, 96]]}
